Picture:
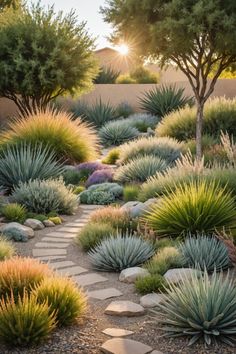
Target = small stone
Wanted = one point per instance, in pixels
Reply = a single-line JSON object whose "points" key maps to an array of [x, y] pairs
{"points": [[34, 224], [89, 279], [176, 275], [124, 308], [25, 229], [151, 300], [104, 294], [117, 332], [124, 346], [129, 275], [48, 223]]}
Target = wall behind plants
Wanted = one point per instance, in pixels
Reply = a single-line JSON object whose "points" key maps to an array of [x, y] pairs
{"points": [[130, 93]]}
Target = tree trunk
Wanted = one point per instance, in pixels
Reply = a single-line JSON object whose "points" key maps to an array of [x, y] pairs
{"points": [[200, 108]]}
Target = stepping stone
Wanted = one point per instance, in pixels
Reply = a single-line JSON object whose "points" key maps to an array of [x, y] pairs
{"points": [[117, 332], [49, 258], [90, 207], [70, 271], [124, 308], [41, 252], [53, 239], [124, 346], [53, 245], [89, 279], [176, 275], [61, 234], [63, 264], [74, 224], [81, 222], [156, 352], [129, 275], [68, 229], [104, 294], [151, 300]]}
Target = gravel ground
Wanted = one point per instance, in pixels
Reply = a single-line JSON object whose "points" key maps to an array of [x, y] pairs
{"points": [[86, 337]]}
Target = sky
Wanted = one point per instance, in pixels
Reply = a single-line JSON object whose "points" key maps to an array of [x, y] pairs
{"points": [[87, 10]]}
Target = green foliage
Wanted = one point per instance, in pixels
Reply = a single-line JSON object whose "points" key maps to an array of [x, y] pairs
{"points": [[112, 156], [25, 322], [14, 212], [141, 121], [55, 219], [65, 300], [92, 233], [7, 249], [15, 234], [9, 4], [78, 189], [24, 162], [117, 132], [125, 79], [130, 192], [39, 217], [19, 275], [104, 193], [140, 169], [41, 197], [120, 252], [64, 63], [205, 252], [99, 113], [165, 148], [73, 141], [199, 206], [203, 308], [107, 75], [166, 258], [160, 101], [151, 283], [124, 109], [219, 114], [141, 75], [71, 176]]}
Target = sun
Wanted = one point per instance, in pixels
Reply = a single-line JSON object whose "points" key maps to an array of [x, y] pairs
{"points": [[123, 49]]}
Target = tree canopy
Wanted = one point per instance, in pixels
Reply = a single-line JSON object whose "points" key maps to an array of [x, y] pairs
{"points": [[43, 55], [197, 35]]}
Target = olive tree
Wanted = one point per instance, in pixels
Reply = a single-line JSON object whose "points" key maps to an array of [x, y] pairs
{"points": [[197, 35], [43, 55]]}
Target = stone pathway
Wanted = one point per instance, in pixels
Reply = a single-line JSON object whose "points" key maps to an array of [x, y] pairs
{"points": [[52, 248]]}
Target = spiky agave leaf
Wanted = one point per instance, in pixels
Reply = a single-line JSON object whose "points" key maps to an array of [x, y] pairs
{"points": [[117, 132], [117, 253], [200, 307], [205, 252]]}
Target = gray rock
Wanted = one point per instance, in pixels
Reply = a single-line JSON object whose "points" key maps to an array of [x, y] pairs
{"points": [[129, 275], [176, 275], [124, 308], [34, 224], [129, 205], [151, 300], [137, 210], [29, 233], [150, 202], [48, 223], [124, 346]]}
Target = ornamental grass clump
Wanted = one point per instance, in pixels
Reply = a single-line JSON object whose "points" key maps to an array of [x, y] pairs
{"points": [[117, 133], [42, 197], [140, 169], [24, 162], [166, 258], [165, 148], [203, 307], [14, 212], [120, 252], [65, 300], [71, 141], [7, 250], [24, 321], [93, 233], [21, 274], [205, 252], [150, 284], [199, 206]]}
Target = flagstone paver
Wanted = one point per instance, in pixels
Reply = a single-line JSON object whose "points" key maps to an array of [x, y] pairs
{"points": [[75, 224], [61, 234], [89, 279], [41, 252], [50, 244], [124, 308], [117, 332], [104, 294], [71, 271], [50, 258], [53, 239], [124, 346], [63, 264], [67, 229]]}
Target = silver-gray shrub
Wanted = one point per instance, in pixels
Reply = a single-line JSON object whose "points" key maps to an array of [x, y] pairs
{"points": [[206, 252], [41, 197], [117, 253], [117, 132], [24, 162]]}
